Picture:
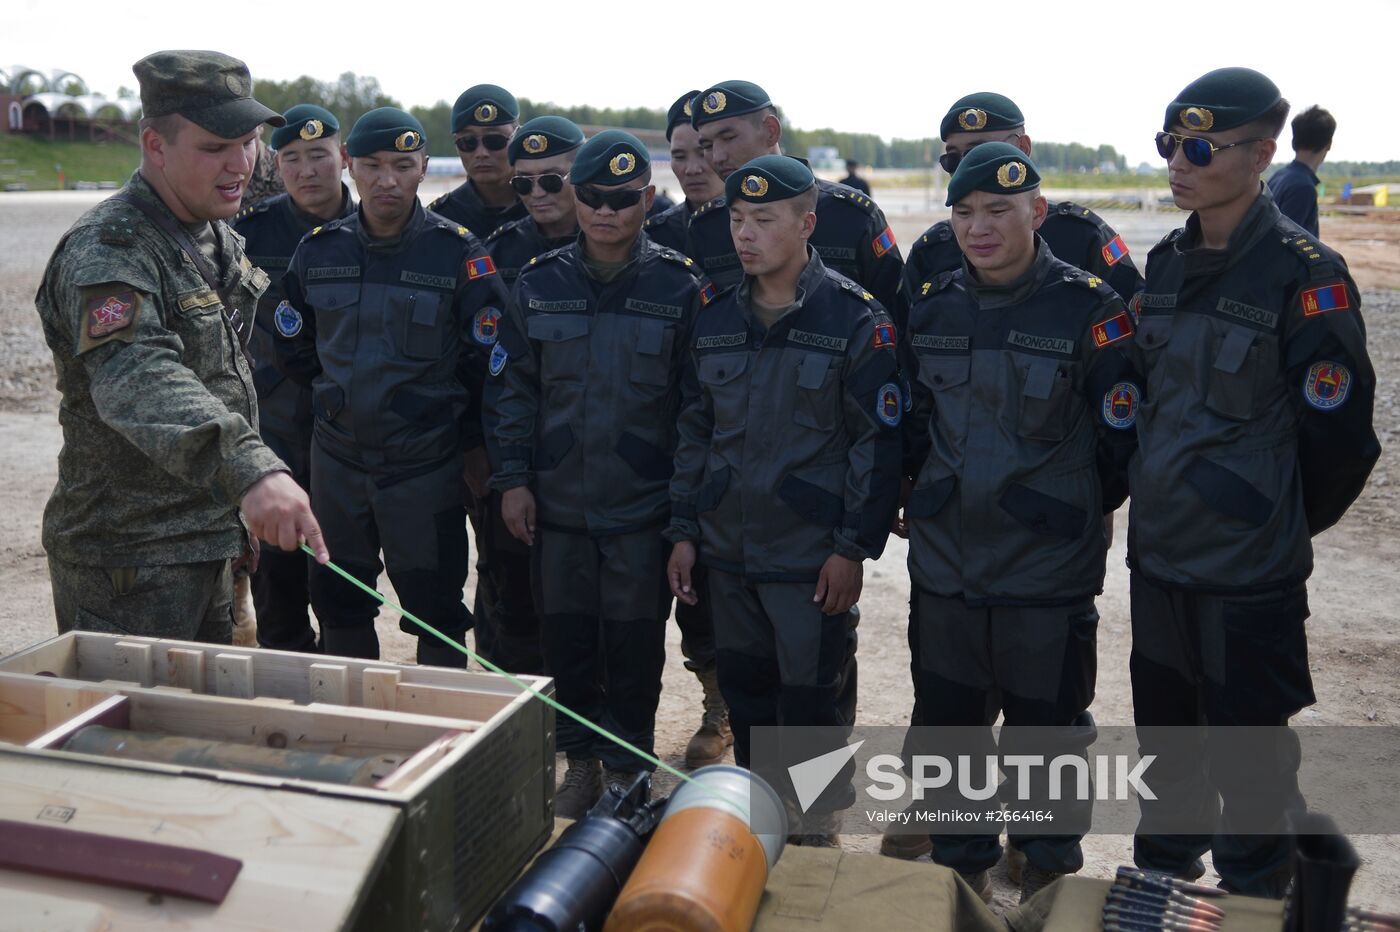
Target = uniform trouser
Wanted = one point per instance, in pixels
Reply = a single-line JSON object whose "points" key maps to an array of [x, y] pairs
{"points": [[281, 597], [1037, 665], [1220, 660], [507, 630], [697, 625], [183, 601], [604, 603], [419, 522], [780, 661]]}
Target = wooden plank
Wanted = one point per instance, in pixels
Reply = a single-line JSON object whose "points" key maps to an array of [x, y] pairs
{"points": [[420, 763], [134, 663], [185, 668], [449, 703], [379, 688], [330, 682], [114, 712], [233, 675]]}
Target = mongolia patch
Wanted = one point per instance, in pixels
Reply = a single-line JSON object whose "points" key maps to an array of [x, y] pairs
{"points": [[883, 243], [480, 267], [884, 335], [1325, 298], [1115, 251], [499, 356], [287, 320], [485, 326], [707, 294], [1117, 327], [106, 314], [1327, 385], [889, 406], [1120, 406]]}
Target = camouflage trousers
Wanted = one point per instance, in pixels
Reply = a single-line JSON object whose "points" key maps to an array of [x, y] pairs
{"points": [[185, 601]]}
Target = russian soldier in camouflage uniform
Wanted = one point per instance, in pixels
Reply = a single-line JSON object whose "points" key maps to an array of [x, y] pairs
{"points": [[265, 181], [159, 414]]}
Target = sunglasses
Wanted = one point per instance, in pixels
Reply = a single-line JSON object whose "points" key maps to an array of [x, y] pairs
{"points": [[494, 142], [620, 199], [1197, 151], [550, 184]]}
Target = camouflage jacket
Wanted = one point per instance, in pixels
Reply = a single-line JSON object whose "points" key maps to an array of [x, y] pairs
{"points": [[264, 182], [159, 416]]}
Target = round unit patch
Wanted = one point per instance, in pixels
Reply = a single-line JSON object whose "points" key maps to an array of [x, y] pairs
{"points": [[498, 359], [889, 406], [1120, 406], [485, 324], [1327, 385], [287, 319]]}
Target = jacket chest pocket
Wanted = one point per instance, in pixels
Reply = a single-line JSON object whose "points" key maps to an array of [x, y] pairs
{"points": [[199, 320], [563, 340], [946, 378], [1242, 366], [337, 309], [1150, 344], [728, 393], [419, 323], [653, 346], [1047, 393], [816, 406]]}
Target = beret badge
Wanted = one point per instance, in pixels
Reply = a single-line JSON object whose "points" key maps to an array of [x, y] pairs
{"points": [[1197, 118], [714, 102], [407, 142], [1011, 175], [972, 119], [485, 113], [755, 186], [622, 163], [535, 144], [312, 129]]}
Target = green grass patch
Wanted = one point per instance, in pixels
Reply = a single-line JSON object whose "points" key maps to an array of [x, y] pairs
{"points": [[32, 161]]}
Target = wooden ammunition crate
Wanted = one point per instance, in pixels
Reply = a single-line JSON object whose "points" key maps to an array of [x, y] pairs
{"points": [[475, 789]]}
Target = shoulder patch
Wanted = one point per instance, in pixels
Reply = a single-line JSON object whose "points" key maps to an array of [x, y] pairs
{"points": [[117, 232], [1320, 299], [884, 334], [707, 293], [883, 243], [1117, 328], [480, 267], [1120, 405], [109, 310], [1115, 250], [1326, 385]]}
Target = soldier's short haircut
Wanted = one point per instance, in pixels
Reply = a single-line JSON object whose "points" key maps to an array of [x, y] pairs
{"points": [[1270, 122], [758, 116], [806, 202], [167, 127], [1313, 129]]}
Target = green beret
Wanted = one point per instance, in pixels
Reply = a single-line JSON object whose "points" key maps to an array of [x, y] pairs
{"points": [[1222, 99], [997, 167], [484, 105], [982, 112], [210, 89], [680, 112], [611, 157], [543, 137], [768, 178], [386, 129], [304, 121], [728, 99]]}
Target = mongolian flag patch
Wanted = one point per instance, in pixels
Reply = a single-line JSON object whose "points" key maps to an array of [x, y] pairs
{"points": [[707, 293], [1114, 250], [883, 243], [480, 267], [884, 335], [1108, 332], [1325, 298]]}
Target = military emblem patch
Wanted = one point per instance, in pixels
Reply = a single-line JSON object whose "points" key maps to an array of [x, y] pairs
{"points": [[1011, 175], [1325, 298], [485, 326], [1198, 118], [1120, 406], [408, 142], [1135, 307], [485, 113], [499, 356], [1327, 385], [714, 102], [535, 143], [480, 267], [687, 109], [312, 129], [1108, 332], [110, 313], [972, 119], [707, 293], [287, 320], [754, 186], [1114, 250], [622, 163], [883, 243], [889, 407], [884, 335]]}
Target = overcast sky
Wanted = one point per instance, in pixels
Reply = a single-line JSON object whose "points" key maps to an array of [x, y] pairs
{"points": [[1086, 72]]}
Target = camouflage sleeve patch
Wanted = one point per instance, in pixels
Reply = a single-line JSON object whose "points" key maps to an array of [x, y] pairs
{"points": [[108, 313]]}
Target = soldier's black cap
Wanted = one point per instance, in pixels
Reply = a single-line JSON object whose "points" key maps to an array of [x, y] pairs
{"points": [[484, 105], [1222, 99], [982, 112], [385, 129], [997, 167], [768, 178], [544, 137], [305, 121], [680, 112], [611, 157], [210, 89], [728, 99]]}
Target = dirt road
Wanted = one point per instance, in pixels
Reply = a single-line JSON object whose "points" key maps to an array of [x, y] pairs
{"points": [[1355, 640]]}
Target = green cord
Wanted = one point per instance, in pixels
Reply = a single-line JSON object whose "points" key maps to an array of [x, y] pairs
{"points": [[548, 700]]}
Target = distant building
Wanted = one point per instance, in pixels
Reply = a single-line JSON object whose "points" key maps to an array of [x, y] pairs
{"points": [[60, 105], [824, 157]]}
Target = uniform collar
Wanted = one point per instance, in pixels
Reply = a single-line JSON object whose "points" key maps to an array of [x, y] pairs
{"points": [[585, 262], [1257, 222], [1013, 292], [407, 235], [812, 275], [347, 207]]}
